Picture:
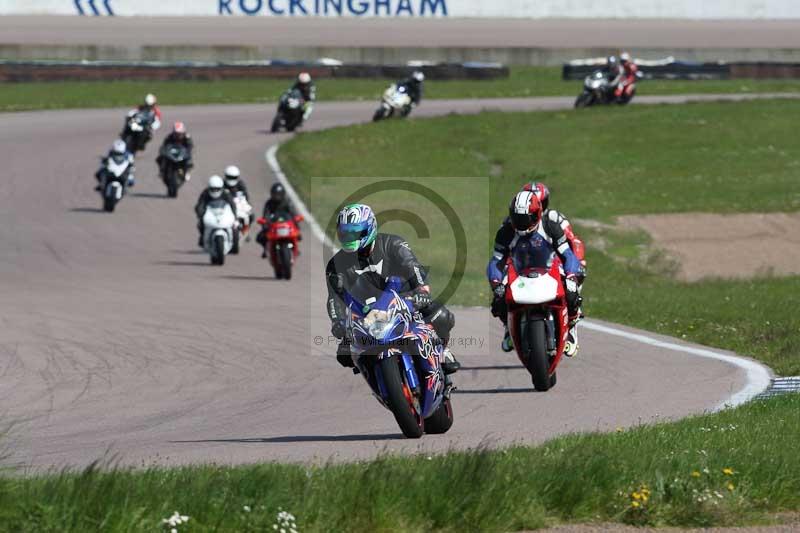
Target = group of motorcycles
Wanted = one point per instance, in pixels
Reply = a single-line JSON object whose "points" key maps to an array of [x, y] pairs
{"points": [[395, 102], [116, 174]]}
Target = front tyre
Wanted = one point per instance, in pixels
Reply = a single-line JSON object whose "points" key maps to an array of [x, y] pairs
{"points": [[585, 99], [400, 399], [285, 259], [172, 183], [441, 420], [536, 360], [109, 203], [379, 115], [218, 250], [237, 236]]}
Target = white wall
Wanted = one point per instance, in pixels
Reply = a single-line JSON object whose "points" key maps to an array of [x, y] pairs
{"points": [[677, 9]]}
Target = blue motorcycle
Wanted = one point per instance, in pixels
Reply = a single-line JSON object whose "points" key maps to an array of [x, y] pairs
{"points": [[400, 356]]}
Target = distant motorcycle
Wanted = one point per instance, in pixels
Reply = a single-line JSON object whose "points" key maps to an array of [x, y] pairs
{"points": [[176, 158], [537, 312], [598, 89], [219, 223], [395, 102], [243, 212], [138, 130], [283, 235], [400, 356], [114, 177], [291, 108]]}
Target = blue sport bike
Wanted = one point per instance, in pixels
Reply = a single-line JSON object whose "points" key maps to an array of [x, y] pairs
{"points": [[400, 356]]}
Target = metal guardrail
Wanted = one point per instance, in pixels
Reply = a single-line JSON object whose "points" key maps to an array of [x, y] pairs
{"points": [[22, 71]]}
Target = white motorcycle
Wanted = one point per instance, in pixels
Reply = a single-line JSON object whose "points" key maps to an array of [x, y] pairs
{"points": [[243, 213], [220, 227], [116, 175], [396, 102]]}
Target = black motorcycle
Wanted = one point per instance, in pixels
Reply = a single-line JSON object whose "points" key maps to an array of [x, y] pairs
{"points": [[291, 108], [175, 165], [138, 130]]}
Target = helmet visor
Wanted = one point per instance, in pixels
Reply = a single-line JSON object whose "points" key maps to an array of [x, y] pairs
{"points": [[524, 221], [351, 235], [214, 192]]}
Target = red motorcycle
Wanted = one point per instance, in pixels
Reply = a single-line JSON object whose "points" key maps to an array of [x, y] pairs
{"points": [[282, 235], [537, 313]]}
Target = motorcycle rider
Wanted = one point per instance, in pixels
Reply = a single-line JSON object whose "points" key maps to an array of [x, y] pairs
{"points": [[234, 183], [629, 73], [527, 220], [150, 105], [365, 252], [118, 148], [309, 92], [214, 191], [413, 85], [179, 137], [277, 203]]}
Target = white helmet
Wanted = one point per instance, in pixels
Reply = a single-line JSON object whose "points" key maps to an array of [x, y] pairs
{"points": [[304, 78], [624, 57], [119, 147], [232, 175], [419, 76], [150, 100], [215, 186]]}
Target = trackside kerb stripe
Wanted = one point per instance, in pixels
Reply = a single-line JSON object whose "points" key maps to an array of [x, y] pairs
{"points": [[758, 375]]}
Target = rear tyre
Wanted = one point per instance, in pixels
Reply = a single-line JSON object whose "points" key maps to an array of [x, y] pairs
{"points": [[218, 248], [537, 362], [285, 258], [400, 400], [441, 420]]}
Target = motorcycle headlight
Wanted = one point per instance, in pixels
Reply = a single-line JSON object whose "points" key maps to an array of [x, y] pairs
{"points": [[380, 329]]}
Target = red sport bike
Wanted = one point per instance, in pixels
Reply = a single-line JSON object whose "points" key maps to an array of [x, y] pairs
{"points": [[282, 235], [537, 311]]}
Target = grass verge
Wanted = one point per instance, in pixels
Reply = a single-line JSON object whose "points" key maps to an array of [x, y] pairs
{"points": [[524, 81], [600, 164], [733, 467]]}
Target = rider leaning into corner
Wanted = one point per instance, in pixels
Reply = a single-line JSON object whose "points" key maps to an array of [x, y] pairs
{"points": [[413, 85], [214, 191], [309, 92], [378, 256], [623, 74], [530, 217]]}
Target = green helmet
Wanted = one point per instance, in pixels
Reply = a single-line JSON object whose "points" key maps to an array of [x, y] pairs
{"points": [[356, 227]]}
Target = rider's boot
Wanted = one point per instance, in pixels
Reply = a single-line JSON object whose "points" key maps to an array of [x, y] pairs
{"points": [[450, 364], [507, 344], [571, 347]]}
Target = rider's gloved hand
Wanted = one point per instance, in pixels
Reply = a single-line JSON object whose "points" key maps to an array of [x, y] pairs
{"points": [[421, 300], [499, 289], [338, 330]]}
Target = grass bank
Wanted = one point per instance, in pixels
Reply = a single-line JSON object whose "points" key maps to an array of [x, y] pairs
{"points": [[734, 467], [524, 81], [710, 157]]}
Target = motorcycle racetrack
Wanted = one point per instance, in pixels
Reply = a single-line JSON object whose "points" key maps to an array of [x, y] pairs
{"points": [[119, 341]]}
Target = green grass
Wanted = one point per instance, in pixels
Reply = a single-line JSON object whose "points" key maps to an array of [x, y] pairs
{"points": [[578, 478], [524, 81], [711, 157]]}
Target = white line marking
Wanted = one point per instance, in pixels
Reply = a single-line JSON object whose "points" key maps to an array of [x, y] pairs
{"points": [[272, 161], [758, 375]]}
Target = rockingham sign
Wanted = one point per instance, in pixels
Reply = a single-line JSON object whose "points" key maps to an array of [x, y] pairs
{"points": [[674, 9]]}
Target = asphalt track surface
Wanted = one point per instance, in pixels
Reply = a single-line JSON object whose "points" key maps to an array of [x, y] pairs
{"points": [[117, 339], [415, 33]]}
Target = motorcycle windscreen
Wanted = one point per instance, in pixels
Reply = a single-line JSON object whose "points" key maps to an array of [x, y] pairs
{"points": [[533, 257]]}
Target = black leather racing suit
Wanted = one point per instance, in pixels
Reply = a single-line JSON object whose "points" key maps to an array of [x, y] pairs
{"points": [[271, 207], [390, 256], [413, 89], [184, 140]]}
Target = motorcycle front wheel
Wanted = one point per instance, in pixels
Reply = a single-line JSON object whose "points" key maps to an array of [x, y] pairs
{"points": [[285, 258], [585, 99], [441, 420], [400, 399], [276, 124], [218, 251], [534, 339], [172, 183]]}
